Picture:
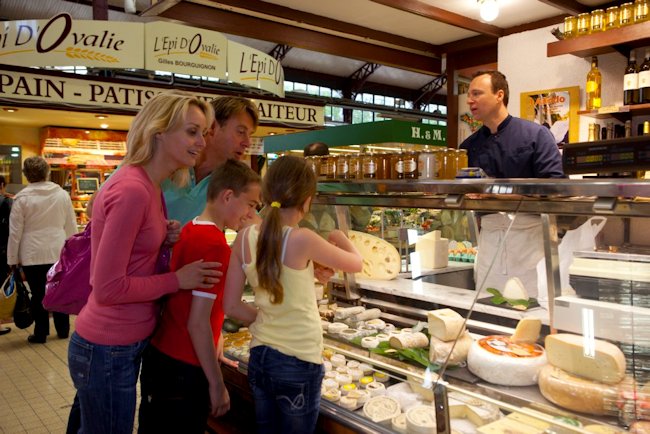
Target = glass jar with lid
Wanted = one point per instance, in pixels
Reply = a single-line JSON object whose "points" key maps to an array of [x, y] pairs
{"points": [[428, 164], [461, 159], [410, 165], [611, 18], [597, 20], [640, 11], [343, 167], [395, 162], [330, 172], [369, 166], [314, 163], [626, 14], [386, 166], [584, 24], [570, 27], [354, 171], [322, 167]]}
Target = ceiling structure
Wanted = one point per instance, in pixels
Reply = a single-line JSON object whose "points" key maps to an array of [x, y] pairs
{"points": [[401, 48]]}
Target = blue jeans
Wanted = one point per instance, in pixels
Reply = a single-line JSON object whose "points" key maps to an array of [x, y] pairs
{"points": [[105, 377], [286, 391]]}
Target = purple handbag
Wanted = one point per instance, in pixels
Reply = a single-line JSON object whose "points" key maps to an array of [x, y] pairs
{"points": [[68, 280]]}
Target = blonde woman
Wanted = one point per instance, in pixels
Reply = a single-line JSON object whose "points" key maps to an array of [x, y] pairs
{"points": [[129, 230], [277, 257]]}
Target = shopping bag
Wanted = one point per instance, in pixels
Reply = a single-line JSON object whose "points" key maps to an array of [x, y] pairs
{"points": [[22, 310], [68, 280], [7, 298]]}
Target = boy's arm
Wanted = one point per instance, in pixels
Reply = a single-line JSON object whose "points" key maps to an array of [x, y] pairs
{"points": [[233, 305], [200, 331]]}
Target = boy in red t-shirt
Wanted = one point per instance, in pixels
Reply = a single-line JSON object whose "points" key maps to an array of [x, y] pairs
{"points": [[181, 378]]}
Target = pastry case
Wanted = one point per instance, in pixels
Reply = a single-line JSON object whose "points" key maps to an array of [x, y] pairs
{"points": [[425, 340]]}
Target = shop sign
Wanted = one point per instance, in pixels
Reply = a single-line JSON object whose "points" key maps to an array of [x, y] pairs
{"points": [[254, 69], [71, 91], [64, 41], [185, 50]]}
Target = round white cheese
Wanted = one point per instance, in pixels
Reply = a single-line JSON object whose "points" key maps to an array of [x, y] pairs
{"points": [[381, 409], [398, 423], [496, 359], [421, 419]]}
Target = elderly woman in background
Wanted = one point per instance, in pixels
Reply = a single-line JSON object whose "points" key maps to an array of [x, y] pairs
{"points": [[41, 219]]}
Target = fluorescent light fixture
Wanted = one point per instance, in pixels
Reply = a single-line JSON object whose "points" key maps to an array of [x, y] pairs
{"points": [[489, 10], [15, 149]]}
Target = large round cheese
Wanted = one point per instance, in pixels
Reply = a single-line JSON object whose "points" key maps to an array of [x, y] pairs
{"points": [[381, 409], [421, 419], [381, 260], [496, 359], [577, 394]]}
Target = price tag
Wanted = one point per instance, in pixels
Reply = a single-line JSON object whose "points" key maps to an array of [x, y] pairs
{"points": [[613, 109]]}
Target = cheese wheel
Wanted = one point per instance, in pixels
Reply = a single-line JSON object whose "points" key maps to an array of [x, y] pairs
{"points": [[478, 412], [353, 364], [337, 327], [600, 361], [496, 359], [445, 324], [439, 350], [408, 340], [577, 394], [364, 381], [366, 368], [376, 324], [398, 423], [360, 395], [356, 374], [421, 419], [381, 409], [376, 388], [381, 260], [330, 383], [369, 342], [348, 403], [332, 395], [343, 379], [349, 334], [346, 388], [337, 360], [381, 377]]}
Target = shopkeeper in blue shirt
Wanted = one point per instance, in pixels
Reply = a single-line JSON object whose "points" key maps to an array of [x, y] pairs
{"points": [[508, 147], [505, 146]]}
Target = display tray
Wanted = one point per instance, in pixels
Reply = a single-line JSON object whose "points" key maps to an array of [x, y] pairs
{"points": [[488, 301]]}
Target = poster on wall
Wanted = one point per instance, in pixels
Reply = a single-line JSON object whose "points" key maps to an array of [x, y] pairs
{"points": [[556, 109]]}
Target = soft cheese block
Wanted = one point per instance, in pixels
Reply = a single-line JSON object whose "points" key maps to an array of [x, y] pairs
{"points": [[439, 350], [527, 330], [433, 250], [515, 289], [381, 259], [577, 394], [409, 340], [498, 360], [445, 324], [595, 359]]}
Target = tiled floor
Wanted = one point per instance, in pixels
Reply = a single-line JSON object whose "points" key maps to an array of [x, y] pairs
{"points": [[35, 388]]}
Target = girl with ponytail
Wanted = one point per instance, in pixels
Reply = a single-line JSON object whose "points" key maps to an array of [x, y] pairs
{"points": [[277, 257]]}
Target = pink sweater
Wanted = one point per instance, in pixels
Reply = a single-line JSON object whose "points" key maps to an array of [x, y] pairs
{"points": [[129, 226]]}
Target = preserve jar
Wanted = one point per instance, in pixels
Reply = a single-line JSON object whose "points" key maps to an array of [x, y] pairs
{"points": [[330, 172], [427, 164], [597, 20], [611, 18], [626, 14], [322, 167], [343, 167], [461, 159], [584, 24], [640, 11], [386, 168], [570, 27], [395, 161], [369, 166], [354, 167], [410, 165]]}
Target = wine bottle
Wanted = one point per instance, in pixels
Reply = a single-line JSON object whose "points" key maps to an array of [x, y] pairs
{"points": [[593, 85], [631, 82], [644, 79]]}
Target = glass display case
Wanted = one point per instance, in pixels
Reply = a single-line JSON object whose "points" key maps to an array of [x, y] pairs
{"points": [[528, 313]]}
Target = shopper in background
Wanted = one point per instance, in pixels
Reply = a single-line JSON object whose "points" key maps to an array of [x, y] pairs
{"points": [[42, 218], [508, 147], [285, 367], [129, 231], [181, 378], [228, 137], [5, 210]]}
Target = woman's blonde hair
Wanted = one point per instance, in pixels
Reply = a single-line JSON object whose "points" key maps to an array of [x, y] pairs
{"points": [[288, 183], [162, 113]]}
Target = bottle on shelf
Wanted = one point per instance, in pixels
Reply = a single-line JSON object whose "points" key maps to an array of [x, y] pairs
{"points": [[631, 81], [644, 79], [594, 79]]}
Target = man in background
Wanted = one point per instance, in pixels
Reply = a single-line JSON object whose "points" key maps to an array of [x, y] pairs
{"points": [[5, 211]]}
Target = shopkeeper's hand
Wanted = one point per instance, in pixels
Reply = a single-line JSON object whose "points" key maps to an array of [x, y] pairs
{"points": [[173, 232]]}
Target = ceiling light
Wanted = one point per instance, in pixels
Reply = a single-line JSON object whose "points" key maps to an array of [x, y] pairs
{"points": [[101, 116], [489, 9], [10, 109], [103, 125]]}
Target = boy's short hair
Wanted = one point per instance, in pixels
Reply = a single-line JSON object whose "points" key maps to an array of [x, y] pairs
{"points": [[232, 175]]}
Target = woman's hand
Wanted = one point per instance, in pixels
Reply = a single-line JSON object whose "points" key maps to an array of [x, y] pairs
{"points": [[173, 232], [199, 274]]}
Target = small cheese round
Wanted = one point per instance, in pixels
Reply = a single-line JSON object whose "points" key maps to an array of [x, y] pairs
{"points": [[331, 374], [356, 374], [327, 365], [349, 334], [337, 360], [332, 395], [381, 377], [360, 395], [389, 328], [343, 379], [496, 359], [342, 369], [376, 389], [381, 409], [366, 368], [369, 342], [398, 423], [346, 388], [421, 419], [330, 383], [348, 403], [353, 364], [364, 381], [376, 324], [337, 327], [382, 337]]}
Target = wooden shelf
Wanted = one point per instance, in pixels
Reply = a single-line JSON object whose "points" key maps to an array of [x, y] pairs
{"points": [[621, 113], [616, 40]]}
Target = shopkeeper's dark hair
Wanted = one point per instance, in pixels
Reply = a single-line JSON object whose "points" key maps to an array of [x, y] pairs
{"points": [[499, 82], [232, 175], [288, 183]]}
